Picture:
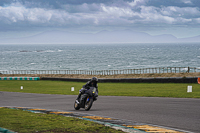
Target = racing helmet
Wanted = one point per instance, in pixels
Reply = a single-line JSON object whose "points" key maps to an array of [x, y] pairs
{"points": [[94, 79]]}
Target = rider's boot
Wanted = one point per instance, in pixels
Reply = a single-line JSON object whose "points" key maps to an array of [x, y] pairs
{"points": [[77, 99]]}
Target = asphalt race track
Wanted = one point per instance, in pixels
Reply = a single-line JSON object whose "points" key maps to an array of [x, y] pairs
{"points": [[179, 113]]}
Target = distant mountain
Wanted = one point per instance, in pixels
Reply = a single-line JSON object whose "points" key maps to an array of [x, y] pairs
{"points": [[124, 36], [165, 38], [191, 39]]}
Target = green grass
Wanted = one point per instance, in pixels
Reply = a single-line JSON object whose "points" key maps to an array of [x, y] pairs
{"points": [[23, 121], [178, 90], [27, 122]]}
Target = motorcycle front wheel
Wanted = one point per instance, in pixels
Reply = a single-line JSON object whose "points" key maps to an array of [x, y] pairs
{"points": [[76, 106], [88, 104]]}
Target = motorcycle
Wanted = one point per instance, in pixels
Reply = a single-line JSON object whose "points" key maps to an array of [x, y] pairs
{"points": [[87, 99]]}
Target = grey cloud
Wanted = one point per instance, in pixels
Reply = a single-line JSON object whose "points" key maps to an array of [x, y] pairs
{"points": [[57, 4], [186, 12], [62, 13], [84, 8], [5, 2], [178, 3]]}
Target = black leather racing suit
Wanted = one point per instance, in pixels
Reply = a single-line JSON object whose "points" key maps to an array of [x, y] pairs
{"points": [[86, 87]]}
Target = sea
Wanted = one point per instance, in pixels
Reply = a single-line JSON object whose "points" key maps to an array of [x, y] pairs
{"points": [[115, 56]]}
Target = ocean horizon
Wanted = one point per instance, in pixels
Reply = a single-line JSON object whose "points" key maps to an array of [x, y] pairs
{"points": [[112, 56]]}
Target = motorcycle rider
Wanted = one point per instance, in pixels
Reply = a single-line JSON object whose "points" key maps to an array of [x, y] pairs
{"points": [[91, 83]]}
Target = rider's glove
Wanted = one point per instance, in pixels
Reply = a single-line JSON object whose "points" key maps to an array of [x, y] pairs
{"points": [[83, 90]]}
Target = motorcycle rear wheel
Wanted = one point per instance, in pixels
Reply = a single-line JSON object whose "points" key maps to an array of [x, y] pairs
{"points": [[88, 104]]}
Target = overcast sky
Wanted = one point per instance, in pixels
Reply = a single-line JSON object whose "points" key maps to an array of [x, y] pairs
{"points": [[180, 18]]}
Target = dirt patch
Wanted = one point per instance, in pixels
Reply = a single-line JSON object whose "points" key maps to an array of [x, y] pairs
{"points": [[81, 76]]}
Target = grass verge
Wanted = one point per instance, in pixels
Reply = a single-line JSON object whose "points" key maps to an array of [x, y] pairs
{"points": [[27, 122], [178, 90]]}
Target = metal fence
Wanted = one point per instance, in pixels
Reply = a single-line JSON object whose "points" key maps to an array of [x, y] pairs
{"points": [[108, 72]]}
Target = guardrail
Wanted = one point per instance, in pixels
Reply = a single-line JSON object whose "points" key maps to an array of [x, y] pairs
{"points": [[19, 78], [108, 72]]}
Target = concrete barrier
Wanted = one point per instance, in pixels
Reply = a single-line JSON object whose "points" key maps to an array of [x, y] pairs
{"points": [[133, 80], [64, 79], [20, 78]]}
